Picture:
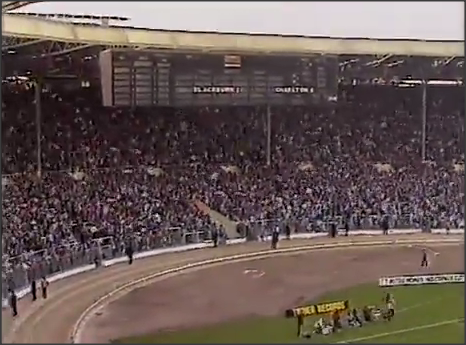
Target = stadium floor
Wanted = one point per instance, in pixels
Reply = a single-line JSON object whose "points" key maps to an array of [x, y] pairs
{"points": [[52, 320]]}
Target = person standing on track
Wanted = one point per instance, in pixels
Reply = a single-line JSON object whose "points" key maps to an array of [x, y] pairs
{"points": [[333, 229], [129, 251], [34, 290], [215, 234], [275, 237], [425, 260], [44, 284], [385, 224], [13, 303]]}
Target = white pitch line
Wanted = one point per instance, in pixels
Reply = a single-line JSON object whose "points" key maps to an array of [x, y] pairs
{"points": [[432, 251], [401, 331], [414, 306], [427, 248], [418, 305]]}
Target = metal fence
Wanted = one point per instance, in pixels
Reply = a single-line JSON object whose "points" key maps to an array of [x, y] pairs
{"points": [[264, 227], [18, 271]]}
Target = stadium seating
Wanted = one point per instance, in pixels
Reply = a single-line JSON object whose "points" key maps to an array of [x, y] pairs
{"points": [[119, 174]]}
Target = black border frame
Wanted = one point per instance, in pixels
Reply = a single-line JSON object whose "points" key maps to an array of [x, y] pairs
{"points": [[3, 311]]}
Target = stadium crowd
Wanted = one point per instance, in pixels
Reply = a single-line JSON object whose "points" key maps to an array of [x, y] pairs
{"points": [[119, 174]]}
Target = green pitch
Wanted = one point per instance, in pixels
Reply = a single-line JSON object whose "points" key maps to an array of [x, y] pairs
{"points": [[425, 314]]}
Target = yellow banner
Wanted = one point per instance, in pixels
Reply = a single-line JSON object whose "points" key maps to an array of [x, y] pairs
{"points": [[316, 309]]}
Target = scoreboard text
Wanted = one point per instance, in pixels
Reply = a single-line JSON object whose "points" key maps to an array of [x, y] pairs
{"points": [[132, 78]]}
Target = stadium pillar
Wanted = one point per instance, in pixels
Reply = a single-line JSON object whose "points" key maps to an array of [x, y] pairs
{"points": [[269, 136], [424, 120], [37, 98]]}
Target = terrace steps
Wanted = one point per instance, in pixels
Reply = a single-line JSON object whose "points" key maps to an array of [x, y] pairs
{"points": [[218, 218]]}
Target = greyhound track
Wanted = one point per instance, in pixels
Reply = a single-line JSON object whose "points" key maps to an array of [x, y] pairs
{"points": [[55, 320]]}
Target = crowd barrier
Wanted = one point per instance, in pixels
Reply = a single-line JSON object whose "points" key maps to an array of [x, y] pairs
{"points": [[24, 290]]}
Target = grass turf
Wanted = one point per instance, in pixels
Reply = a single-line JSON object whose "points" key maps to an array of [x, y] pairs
{"points": [[419, 309]]}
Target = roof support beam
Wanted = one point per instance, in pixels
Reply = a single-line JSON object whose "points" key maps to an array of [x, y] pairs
{"points": [[22, 26]]}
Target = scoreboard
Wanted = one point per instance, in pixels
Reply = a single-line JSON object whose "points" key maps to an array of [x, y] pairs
{"points": [[144, 79]]}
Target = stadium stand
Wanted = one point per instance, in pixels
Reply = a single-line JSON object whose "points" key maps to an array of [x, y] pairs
{"points": [[103, 177]]}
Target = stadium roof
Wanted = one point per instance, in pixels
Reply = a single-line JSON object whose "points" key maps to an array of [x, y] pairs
{"points": [[45, 29]]}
